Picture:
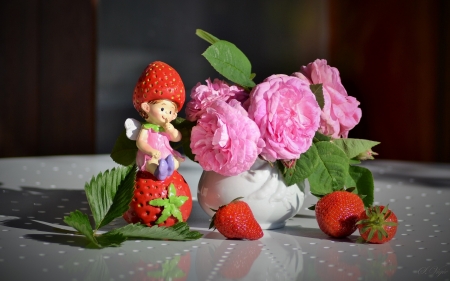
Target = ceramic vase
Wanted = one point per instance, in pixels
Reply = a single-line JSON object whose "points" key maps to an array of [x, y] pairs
{"points": [[262, 187]]}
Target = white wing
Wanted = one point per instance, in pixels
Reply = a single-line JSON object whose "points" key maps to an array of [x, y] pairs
{"points": [[132, 126]]}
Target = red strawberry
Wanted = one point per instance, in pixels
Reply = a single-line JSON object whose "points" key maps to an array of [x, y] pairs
{"points": [[338, 212], [159, 81], [378, 224], [160, 203], [236, 221]]}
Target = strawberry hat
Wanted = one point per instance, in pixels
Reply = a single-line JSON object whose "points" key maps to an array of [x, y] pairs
{"points": [[159, 81]]}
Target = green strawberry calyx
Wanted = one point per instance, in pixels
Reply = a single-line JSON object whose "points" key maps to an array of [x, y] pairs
{"points": [[171, 205], [376, 221]]}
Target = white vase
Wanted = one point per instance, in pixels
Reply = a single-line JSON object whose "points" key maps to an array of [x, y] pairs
{"points": [[262, 187]]}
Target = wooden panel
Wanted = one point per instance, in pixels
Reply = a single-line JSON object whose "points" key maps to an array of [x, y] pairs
{"points": [[67, 77], [18, 78], [388, 56], [443, 76], [47, 81]]}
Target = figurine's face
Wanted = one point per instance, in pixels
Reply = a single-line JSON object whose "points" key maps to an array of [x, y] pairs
{"points": [[159, 112]]}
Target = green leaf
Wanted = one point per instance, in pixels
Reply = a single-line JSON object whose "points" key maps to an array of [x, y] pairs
{"points": [[81, 223], [208, 37], [179, 232], [185, 128], [320, 137], [124, 150], [317, 90], [231, 62], [353, 147], [111, 239], [304, 167], [331, 171], [363, 179], [101, 194], [122, 198]]}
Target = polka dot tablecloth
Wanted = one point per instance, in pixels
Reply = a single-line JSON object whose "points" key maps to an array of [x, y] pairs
{"points": [[36, 193]]}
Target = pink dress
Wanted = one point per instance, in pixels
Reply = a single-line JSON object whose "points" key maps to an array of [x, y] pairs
{"points": [[157, 139]]}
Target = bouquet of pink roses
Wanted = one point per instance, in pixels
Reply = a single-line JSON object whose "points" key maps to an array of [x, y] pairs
{"points": [[299, 122]]}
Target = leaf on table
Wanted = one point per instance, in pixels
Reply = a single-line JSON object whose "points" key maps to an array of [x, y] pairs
{"points": [[110, 193], [230, 62], [81, 223], [180, 232], [122, 198], [332, 169], [110, 240]]}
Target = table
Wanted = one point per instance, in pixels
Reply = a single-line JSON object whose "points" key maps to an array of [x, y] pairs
{"points": [[45, 189]]}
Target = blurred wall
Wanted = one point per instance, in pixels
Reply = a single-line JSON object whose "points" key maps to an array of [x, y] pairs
{"points": [[68, 68], [277, 37], [47, 77], [394, 56]]}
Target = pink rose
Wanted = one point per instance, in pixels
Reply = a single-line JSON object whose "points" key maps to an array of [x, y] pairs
{"points": [[287, 113], [340, 113], [203, 96], [225, 140]]}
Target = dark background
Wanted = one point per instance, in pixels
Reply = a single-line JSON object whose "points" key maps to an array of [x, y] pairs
{"points": [[68, 68]]}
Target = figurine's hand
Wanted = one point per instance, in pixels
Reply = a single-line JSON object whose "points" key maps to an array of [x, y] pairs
{"points": [[167, 125], [156, 155]]}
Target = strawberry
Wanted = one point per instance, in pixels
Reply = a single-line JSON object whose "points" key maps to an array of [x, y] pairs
{"points": [[159, 81], [158, 202], [378, 224], [338, 212], [236, 221]]}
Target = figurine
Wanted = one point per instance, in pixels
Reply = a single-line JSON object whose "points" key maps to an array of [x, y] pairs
{"points": [[158, 97], [161, 195]]}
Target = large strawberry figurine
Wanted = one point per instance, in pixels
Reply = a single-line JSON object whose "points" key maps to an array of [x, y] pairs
{"points": [[162, 203]]}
